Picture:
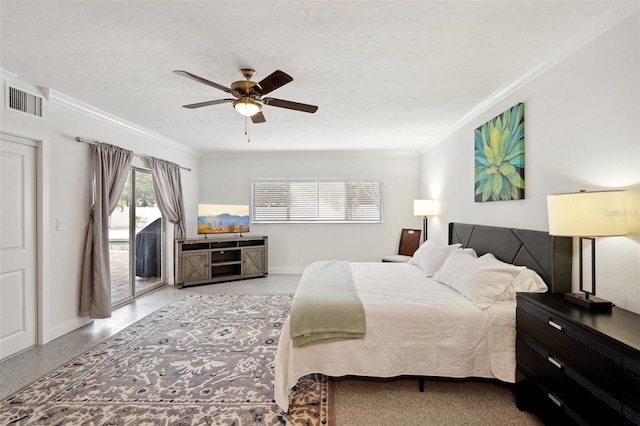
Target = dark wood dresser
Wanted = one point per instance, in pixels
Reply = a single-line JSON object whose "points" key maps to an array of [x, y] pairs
{"points": [[574, 366]]}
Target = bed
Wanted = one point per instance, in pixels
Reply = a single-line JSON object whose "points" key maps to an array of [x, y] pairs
{"points": [[417, 326]]}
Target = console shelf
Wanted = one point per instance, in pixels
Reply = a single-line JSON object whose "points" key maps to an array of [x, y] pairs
{"points": [[211, 260]]}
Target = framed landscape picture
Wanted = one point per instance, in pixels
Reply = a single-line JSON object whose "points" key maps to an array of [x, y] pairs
{"points": [[499, 157]]}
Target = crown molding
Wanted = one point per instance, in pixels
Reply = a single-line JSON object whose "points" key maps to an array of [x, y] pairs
{"points": [[577, 42], [7, 75], [13, 80], [308, 154], [86, 109]]}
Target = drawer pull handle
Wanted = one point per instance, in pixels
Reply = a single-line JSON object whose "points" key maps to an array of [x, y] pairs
{"points": [[554, 362], [555, 400], [554, 325]]}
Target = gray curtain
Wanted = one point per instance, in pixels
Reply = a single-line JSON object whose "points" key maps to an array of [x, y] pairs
{"points": [[168, 187], [111, 166]]}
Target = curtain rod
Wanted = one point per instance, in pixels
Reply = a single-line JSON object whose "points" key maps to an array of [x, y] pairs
{"points": [[79, 139]]}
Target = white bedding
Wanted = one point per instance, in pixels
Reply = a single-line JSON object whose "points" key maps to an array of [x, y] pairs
{"points": [[415, 326]]}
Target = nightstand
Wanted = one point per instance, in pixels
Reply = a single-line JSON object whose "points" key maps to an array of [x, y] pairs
{"points": [[575, 366]]}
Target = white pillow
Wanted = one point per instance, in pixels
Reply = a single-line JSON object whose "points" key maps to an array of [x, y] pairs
{"points": [[527, 281], [454, 266], [431, 256], [481, 280]]}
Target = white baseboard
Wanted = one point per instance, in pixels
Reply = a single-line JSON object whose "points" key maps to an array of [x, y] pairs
{"points": [[64, 328], [286, 271]]}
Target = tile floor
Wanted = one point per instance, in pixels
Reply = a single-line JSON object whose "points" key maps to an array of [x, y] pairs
{"points": [[28, 366]]}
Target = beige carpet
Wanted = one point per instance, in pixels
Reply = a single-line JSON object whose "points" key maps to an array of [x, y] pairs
{"points": [[366, 402]]}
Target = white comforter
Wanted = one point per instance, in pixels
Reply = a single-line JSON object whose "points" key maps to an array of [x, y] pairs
{"points": [[415, 326]]}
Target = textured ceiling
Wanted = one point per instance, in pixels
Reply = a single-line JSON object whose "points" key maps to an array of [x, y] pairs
{"points": [[385, 75]]}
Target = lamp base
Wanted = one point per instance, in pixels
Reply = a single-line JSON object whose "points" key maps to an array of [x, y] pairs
{"points": [[593, 303]]}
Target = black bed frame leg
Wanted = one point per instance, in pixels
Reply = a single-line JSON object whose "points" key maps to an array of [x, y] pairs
{"points": [[421, 384]]}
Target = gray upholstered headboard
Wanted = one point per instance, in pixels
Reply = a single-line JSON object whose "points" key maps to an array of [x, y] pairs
{"points": [[549, 256]]}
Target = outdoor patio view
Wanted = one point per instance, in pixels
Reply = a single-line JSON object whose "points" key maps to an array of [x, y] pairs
{"points": [[135, 240]]}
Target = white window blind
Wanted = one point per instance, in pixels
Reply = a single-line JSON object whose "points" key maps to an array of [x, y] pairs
{"points": [[329, 201]]}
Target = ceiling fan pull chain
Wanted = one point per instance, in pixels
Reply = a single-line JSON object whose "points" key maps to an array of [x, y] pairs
{"points": [[246, 128]]}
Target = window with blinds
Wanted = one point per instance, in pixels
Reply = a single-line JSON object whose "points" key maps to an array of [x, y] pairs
{"points": [[324, 201]]}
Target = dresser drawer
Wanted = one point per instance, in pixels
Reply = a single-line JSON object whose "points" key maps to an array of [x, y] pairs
{"points": [[565, 385], [588, 354], [631, 385], [532, 395], [577, 366], [554, 409]]}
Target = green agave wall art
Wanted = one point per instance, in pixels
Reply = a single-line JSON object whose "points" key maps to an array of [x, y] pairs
{"points": [[499, 157]]}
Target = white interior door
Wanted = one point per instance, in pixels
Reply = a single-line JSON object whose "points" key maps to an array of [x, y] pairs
{"points": [[18, 294]]}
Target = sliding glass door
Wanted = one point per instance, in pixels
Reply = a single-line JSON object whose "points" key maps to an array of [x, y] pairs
{"points": [[136, 231]]}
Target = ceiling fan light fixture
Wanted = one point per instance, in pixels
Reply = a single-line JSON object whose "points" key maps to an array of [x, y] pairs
{"points": [[247, 106]]}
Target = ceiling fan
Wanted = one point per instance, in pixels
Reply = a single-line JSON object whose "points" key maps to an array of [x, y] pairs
{"points": [[248, 95]]}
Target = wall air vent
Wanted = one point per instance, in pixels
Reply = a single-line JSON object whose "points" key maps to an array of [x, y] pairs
{"points": [[19, 100]]}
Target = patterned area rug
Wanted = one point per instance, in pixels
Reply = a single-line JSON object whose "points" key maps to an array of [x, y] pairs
{"points": [[205, 359]]}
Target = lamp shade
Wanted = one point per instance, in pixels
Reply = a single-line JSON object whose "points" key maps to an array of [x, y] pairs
{"points": [[587, 214], [425, 208], [247, 106]]}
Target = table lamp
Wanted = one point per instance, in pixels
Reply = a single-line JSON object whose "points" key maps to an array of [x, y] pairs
{"points": [[424, 208], [587, 215]]}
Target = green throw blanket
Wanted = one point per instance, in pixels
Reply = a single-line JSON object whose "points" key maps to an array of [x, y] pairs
{"points": [[326, 306]]}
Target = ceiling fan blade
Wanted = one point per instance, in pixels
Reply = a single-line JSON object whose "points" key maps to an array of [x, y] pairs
{"points": [[258, 118], [203, 81], [272, 82], [208, 103], [281, 103]]}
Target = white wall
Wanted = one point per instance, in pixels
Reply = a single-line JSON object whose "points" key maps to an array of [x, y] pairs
{"points": [[582, 131], [226, 179], [66, 193]]}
